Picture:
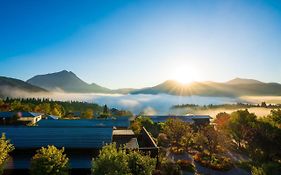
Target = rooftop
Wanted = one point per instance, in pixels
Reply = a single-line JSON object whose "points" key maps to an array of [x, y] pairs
{"points": [[21, 114], [123, 132], [36, 137], [84, 123]]}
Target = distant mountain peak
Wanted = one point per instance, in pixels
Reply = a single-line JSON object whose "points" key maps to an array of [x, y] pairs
{"points": [[66, 81], [243, 81], [12, 87]]}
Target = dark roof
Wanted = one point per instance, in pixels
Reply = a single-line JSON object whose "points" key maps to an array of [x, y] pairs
{"points": [[52, 117], [22, 114], [130, 118], [158, 119], [84, 123], [36, 137], [185, 118], [195, 116]]}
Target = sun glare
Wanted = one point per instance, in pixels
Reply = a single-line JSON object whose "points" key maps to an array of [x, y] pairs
{"points": [[185, 74]]}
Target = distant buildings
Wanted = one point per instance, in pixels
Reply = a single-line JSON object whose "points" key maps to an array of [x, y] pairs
{"points": [[190, 118], [82, 140], [19, 118]]}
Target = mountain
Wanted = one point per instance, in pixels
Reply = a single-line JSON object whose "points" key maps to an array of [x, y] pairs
{"points": [[233, 88], [15, 87], [66, 81], [243, 81], [123, 90]]}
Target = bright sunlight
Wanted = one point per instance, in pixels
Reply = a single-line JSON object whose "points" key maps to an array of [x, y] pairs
{"points": [[185, 74]]}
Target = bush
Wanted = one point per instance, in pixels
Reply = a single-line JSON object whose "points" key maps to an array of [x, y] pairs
{"points": [[170, 168], [140, 164], [50, 161], [213, 161], [113, 161], [163, 140], [186, 165], [177, 150], [5, 148], [270, 168]]}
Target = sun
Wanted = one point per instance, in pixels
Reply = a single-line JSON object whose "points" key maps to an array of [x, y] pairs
{"points": [[184, 74]]}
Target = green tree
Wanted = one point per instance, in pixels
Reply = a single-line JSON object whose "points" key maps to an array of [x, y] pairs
{"points": [[1, 102], [105, 109], [111, 161], [5, 148], [49, 161], [222, 120], [89, 113], [213, 140], [275, 117], [178, 132], [153, 128], [141, 164], [169, 167], [241, 127]]}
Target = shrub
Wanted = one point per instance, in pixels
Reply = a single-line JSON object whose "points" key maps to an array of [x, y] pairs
{"points": [[5, 148], [140, 164], [270, 168], [113, 161], [177, 150], [163, 140], [170, 168], [50, 161], [213, 161], [186, 165]]}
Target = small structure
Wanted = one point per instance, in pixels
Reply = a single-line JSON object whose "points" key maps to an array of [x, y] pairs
{"points": [[200, 119], [74, 115], [142, 142], [189, 118], [19, 118], [125, 137], [51, 117]]}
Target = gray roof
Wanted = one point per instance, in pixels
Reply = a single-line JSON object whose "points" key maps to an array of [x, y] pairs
{"points": [[52, 117], [22, 114], [158, 119], [36, 137], [195, 116], [125, 132], [84, 123]]}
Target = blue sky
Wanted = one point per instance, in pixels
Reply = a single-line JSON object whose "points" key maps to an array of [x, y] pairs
{"points": [[137, 43]]}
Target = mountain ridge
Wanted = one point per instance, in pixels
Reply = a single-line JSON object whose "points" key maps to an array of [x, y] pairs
{"points": [[66, 81], [233, 88], [69, 82], [12, 86]]}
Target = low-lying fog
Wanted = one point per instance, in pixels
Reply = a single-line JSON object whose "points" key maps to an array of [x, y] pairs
{"points": [[153, 104]]}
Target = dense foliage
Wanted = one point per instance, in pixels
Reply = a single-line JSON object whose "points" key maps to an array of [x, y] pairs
{"points": [[178, 132], [226, 106], [5, 148], [259, 138], [49, 161], [113, 161], [150, 126], [60, 108]]}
